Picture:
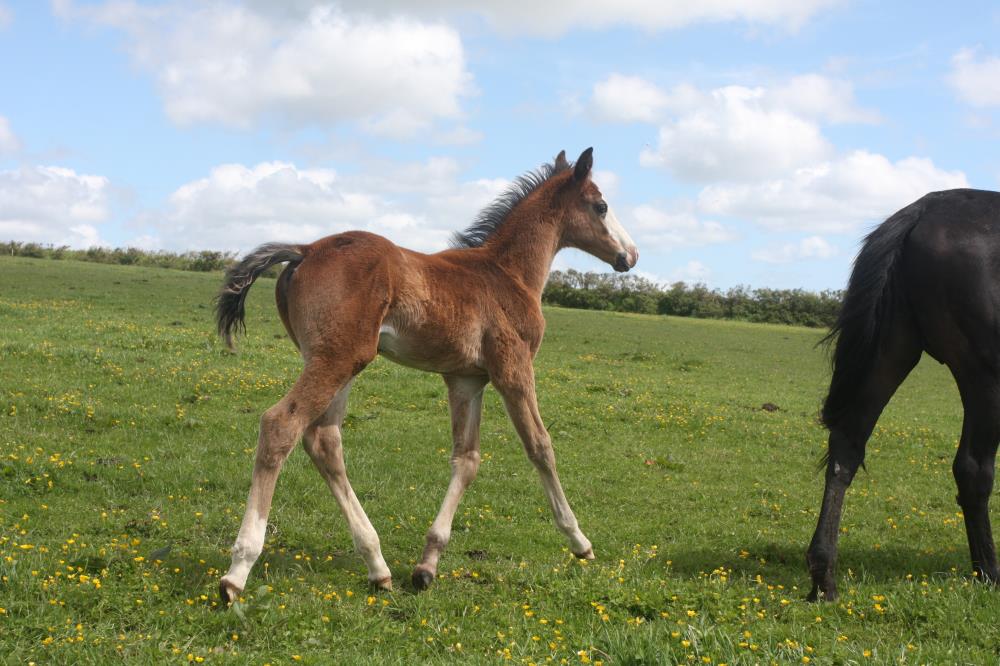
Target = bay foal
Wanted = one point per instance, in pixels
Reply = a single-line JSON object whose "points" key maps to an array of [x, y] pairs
{"points": [[471, 313]]}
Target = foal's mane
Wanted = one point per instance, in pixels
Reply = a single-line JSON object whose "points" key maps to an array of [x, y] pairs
{"points": [[490, 218]]}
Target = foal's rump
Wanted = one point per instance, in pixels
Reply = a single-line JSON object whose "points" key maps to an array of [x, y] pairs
{"points": [[336, 297], [320, 280]]}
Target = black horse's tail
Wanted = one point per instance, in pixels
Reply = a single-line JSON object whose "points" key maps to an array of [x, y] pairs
{"points": [[230, 303], [872, 294]]}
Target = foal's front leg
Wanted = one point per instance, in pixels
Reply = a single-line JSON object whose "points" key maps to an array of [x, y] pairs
{"points": [[522, 405], [465, 399]]}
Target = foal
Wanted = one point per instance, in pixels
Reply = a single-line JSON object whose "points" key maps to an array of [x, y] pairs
{"points": [[472, 314]]}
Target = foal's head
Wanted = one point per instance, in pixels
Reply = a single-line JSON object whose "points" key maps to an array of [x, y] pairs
{"points": [[589, 224]]}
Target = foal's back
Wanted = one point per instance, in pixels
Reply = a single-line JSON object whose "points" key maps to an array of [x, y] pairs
{"points": [[434, 312]]}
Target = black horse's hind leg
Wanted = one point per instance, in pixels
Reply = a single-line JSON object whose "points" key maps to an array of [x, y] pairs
{"points": [[846, 452], [973, 467]]}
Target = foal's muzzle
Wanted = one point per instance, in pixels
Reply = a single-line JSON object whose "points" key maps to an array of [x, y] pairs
{"points": [[626, 260]]}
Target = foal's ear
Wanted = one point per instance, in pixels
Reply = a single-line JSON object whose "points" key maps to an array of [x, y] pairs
{"points": [[561, 162], [583, 165]]}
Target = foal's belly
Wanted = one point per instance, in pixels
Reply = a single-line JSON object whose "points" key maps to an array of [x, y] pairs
{"points": [[427, 353]]}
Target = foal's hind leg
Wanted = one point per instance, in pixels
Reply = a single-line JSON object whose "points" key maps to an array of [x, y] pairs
{"points": [[465, 398], [974, 466], [322, 442], [846, 452], [280, 428]]}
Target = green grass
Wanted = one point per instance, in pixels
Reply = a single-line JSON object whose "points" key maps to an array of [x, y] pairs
{"points": [[126, 444]]}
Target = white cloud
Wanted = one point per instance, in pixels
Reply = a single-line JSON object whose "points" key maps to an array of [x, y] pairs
{"points": [[736, 137], [975, 78], [6, 16], [553, 17], [833, 196], [652, 227], [607, 182], [237, 207], [692, 272], [225, 63], [46, 204], [9, 143], [455, 209], [621, 98], [813, 97], [813, 247], [764, 158], [820, 98]]}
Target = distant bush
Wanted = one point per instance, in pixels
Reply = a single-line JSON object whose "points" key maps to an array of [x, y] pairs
{"points": [[628, 293], [203, 260]]}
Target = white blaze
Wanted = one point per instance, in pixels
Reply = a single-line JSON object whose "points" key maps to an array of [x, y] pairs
{"points": [[618, 232]]}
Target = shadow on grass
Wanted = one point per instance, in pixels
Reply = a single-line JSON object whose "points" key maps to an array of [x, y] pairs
{"points": [[782, 564]]}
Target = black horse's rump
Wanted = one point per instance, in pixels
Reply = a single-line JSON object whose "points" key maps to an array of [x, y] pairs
{"points": [[927, 279], [868, 307]]}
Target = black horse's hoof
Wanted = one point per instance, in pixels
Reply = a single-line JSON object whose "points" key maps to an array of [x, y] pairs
{"points": [[422, 578], [817, 593]]}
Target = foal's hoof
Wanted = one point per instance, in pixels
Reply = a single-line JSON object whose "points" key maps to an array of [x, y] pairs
{"points": [[228, 592], [384, 584], [422, 578], [586, 555]]}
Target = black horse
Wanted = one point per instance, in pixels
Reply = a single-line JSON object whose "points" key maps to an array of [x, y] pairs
{"points": [[927, 279]]}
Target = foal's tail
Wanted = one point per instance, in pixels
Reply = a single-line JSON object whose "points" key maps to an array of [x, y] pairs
{"points": [[230, 303], [872, 294]]}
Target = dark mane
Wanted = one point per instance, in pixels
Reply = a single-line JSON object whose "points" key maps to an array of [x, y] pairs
{"points": [[490, 218]]}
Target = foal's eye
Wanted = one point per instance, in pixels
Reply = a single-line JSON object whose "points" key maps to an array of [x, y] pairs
{"points": [[601, 208]]}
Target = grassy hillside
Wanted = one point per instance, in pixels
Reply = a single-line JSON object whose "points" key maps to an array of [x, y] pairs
{"points": [[126, 444]]}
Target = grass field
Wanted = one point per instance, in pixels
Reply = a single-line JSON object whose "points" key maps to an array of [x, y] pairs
{"points": [[126, 444]]}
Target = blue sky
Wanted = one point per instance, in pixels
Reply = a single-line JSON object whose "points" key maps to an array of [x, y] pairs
{"points": [[739, 141]]}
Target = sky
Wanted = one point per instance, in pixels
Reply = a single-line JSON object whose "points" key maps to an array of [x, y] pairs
{"points": [[740, 142]]}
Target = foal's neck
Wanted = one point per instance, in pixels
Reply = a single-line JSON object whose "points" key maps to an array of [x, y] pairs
{"points": [[527, 242]]}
